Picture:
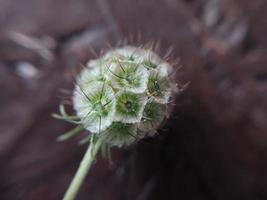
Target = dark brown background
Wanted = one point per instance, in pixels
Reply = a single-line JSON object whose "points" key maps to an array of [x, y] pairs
{"points": [[213, 147]]}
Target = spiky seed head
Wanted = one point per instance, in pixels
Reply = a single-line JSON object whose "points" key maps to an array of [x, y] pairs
{"points": [[123, 95]]}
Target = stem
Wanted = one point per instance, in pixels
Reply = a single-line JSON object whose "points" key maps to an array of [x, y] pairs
{"points": [[84, 167]]}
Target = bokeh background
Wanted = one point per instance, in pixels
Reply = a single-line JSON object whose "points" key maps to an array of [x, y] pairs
{"points": [[214, 147]]}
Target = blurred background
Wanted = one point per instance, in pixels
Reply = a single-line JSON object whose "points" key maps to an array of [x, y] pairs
{"points": [[214, 147]]}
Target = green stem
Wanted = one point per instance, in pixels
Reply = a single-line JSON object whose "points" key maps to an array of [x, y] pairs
{"points": [[84, 167]]}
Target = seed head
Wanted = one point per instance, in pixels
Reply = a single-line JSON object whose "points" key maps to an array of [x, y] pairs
{"points": [[123, 95]]}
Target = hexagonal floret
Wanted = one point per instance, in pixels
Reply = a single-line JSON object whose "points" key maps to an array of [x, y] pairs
{"points": [[159, 87], [120, 134], [129, 106], [95, 106], [153, 115], [129, 76], [94, 72]]}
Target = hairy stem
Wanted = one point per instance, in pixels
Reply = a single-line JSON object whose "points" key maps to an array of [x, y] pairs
{"points": [[84, 167]]}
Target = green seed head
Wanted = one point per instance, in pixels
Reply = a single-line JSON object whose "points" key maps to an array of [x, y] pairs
{"points": [[123, 95], [119, 98]]}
